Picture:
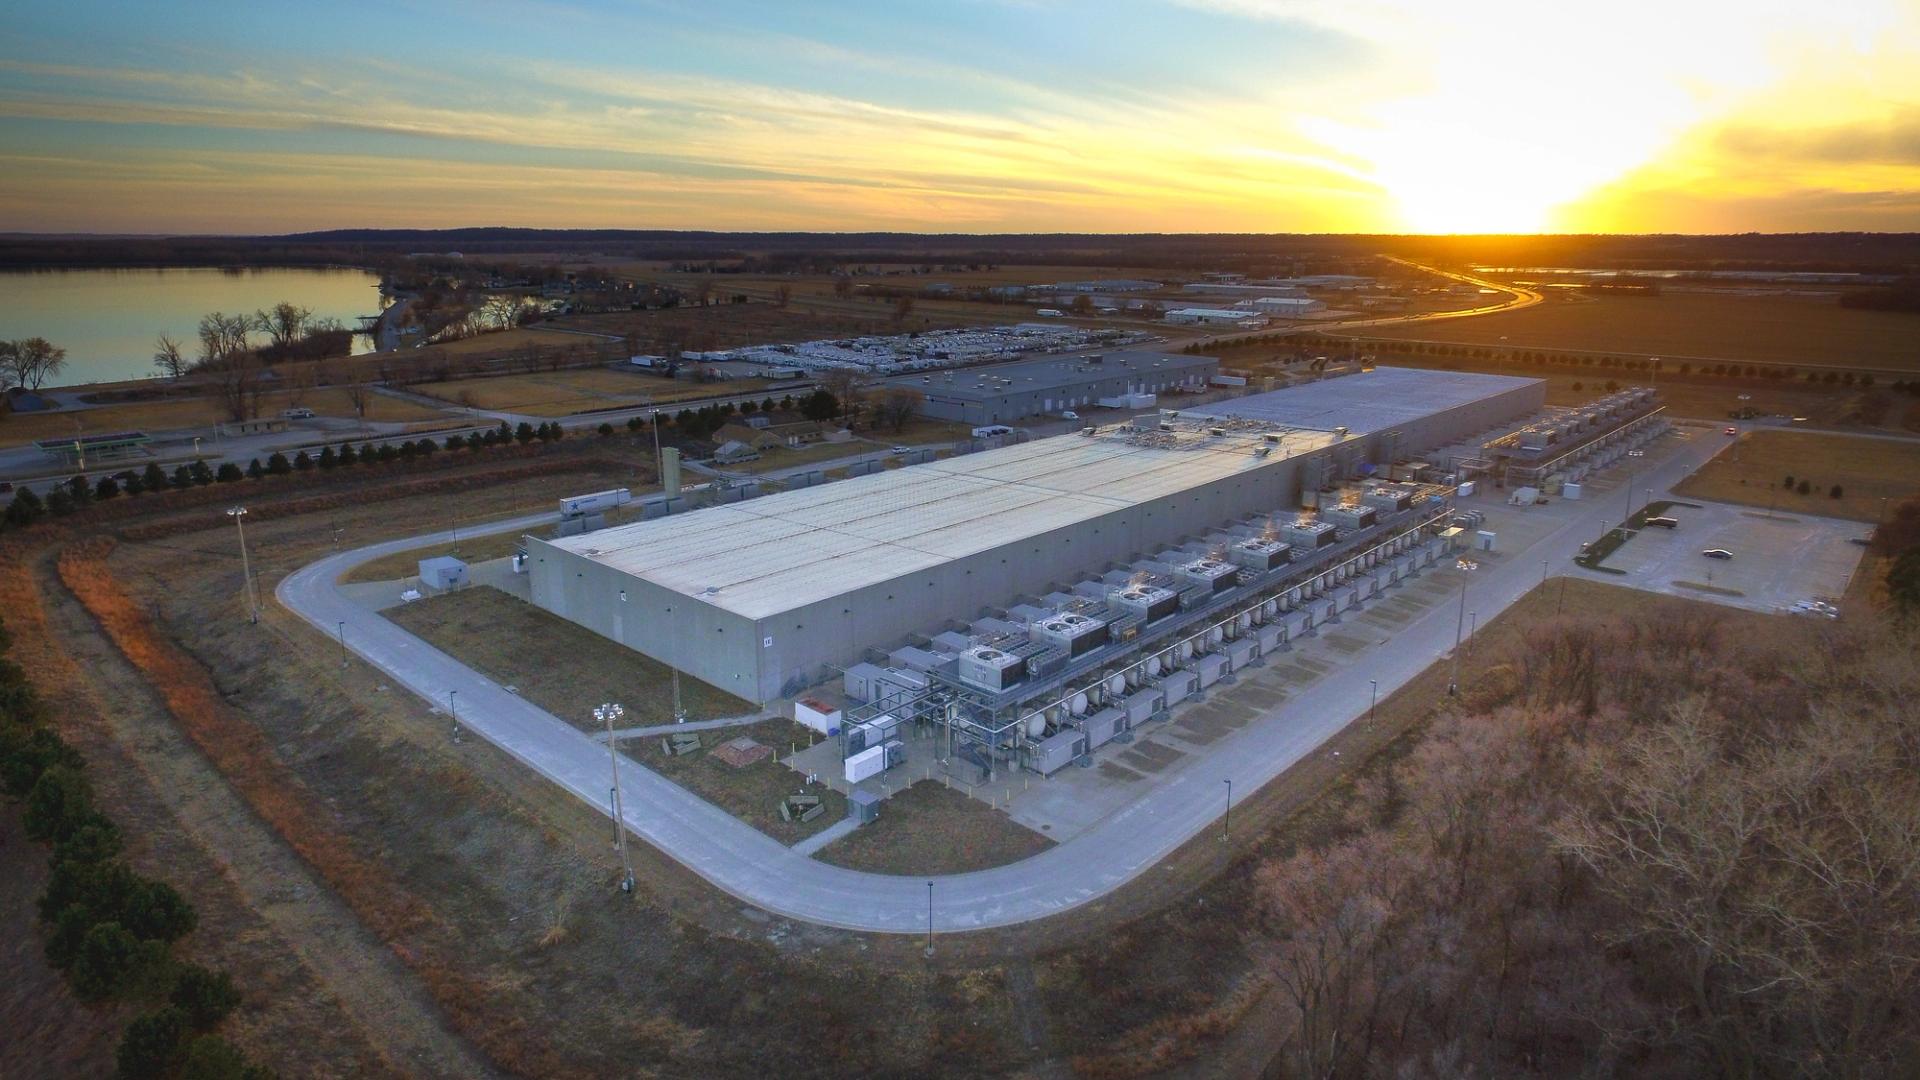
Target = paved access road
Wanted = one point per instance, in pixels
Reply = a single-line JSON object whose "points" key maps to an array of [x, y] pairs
{"points": [[748, 864]]}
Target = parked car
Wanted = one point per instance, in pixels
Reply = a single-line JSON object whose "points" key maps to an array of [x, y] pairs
{"points": [[901, 450], [298, 412], [1069, 414], [1664, 522], [1717, 553]]}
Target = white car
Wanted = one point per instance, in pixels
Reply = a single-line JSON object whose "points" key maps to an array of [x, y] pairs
{"points": [[1069, 414], [901, 450]]}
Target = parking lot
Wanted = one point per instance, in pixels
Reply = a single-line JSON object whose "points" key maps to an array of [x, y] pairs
{"points": [[1778, 559]]}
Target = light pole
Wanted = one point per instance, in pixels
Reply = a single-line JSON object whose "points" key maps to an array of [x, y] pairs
{"points": [[238, 514], [343, 643], [454, 711], [1373, 704], [1473, 625], [1226, 819], [607, 714], [659, 463], [929, 919], [1459, 626]]}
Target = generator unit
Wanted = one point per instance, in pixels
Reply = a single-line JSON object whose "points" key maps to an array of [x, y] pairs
{"points": [[990, 668], [1150, 601], [1260, 554], [1074, 633], [1216, 574], [1308, 533], [1350, 517]]}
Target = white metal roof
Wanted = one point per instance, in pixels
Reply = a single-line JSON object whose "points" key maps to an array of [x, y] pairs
{"points": [[763, 556], [1369, 401]]}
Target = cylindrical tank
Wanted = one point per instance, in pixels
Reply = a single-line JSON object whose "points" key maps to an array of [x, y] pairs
{"points": [[1186, 649], [1134, 675], [1116, 684], [1214, 635], [1036, 725], [1245, 620], [1156, 664], [1056, 713], [1077, 705]]}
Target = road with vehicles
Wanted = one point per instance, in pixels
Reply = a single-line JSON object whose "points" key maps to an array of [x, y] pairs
{"points": [[746, 863]]}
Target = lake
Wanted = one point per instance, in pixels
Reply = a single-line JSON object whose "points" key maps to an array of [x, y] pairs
{"points": [[107, 319]]}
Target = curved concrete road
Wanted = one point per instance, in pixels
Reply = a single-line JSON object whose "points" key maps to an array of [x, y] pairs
{"points": [[742, 861]]}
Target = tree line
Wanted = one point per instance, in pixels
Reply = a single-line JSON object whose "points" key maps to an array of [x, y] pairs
{"points": [[109, 930]]}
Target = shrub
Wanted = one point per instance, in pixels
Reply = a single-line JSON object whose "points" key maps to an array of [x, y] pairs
{"points": [[328, 459], [303, 461], [26, 752], [428, 447], [229, 473], [153, 479], [347, 456], [524, 433], [199, 473], [155, 910], [635, 423], [210, 1057], [455, 442], [1836, 491], [475, 440], [255, 469], [108, 954], [605, 429], [151, 1043], [95, 841], [278, 464], [25, 509], [60, 802], [1804, 487], [59, 503], [107, 488], [387, 453], [205, 995], [408, 449]]}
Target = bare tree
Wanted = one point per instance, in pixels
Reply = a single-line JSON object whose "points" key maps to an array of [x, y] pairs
{"points": [[902, 308], [357, 390], [897, 405], [703, 292], [31, 361], [782, 295], [284, 323], [501, 312], [168, 357], [847, 386]]}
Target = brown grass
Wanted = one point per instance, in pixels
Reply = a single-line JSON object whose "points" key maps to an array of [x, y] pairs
{"points": [[19, 429], [929, 828], [1693, 325], [563, 393], [304, 821], [1868, 471], [753, 793], [560, 666]]}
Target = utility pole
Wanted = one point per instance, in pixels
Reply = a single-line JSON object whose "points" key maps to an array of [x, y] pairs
{"points": [[607, 714], [1459, 625], [1373, 705], [1226, 819], [454, 711], [1473, 626], [238, 514], [343, 643], [929, 920], [679, 711]]}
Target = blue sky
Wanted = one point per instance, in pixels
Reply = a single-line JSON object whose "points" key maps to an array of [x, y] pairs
{"points": [[1129, 115]]}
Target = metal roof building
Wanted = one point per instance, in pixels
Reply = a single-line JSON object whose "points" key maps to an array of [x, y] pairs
{"points": [[1007, 392], [766, 596]]}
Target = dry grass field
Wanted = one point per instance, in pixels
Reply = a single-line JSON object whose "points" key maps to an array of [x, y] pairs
{"points": [[1681, 325], [929, 828], [562, 393], [751, 793], [505, 341], [1870, 472], [563, 668], [18, 429]]}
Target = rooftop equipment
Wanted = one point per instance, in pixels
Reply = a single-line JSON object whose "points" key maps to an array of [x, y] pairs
{"points": [[1308, 533], [1350, 517], [1211, 572], [990, 668], [1073, 632], [1259, 554], [1149, 601], [1388, 497]]}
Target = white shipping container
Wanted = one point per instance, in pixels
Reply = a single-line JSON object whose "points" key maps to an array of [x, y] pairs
{"points": [[866, 764]]}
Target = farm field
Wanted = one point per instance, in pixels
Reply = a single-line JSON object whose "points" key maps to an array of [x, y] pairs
{"points": [[1692, 325], [563, 393], [1867, 470], [18, 429]]}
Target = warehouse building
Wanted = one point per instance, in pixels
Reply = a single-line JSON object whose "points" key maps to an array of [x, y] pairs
{"points": [[1006, 392], [765, 597], [1283, 307], [1202, 316]]}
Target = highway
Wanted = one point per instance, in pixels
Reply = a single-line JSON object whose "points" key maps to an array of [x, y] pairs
{"points": [[749, 865]]}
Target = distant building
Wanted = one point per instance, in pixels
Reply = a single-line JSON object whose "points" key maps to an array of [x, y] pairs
{"points": [[1104, 285], [1200, 316], [1007, 392], [1255, 289], [1284, 307]]}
